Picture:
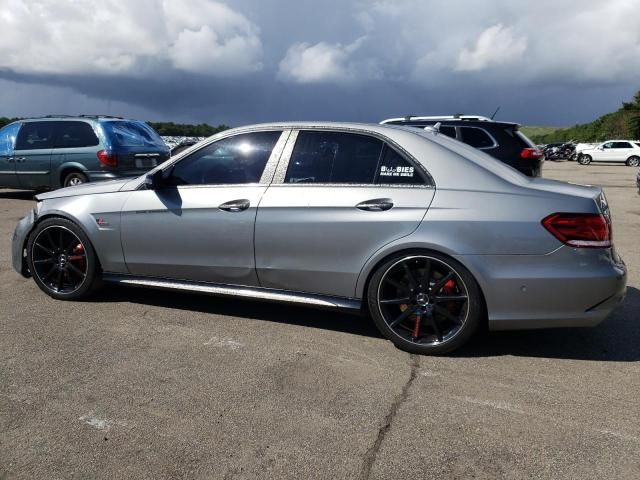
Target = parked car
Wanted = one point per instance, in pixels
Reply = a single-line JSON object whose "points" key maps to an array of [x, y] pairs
{"points": [[417, 229], [580, 147], [619, 151], [501, 140], [53, 152], [182, 146]]}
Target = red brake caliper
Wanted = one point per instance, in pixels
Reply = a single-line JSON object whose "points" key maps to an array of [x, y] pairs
{"points": [[449, 289], [78, 255]]}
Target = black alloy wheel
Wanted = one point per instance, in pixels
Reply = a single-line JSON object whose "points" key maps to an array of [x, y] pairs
{"points": [[61, 259], [425, 303]]}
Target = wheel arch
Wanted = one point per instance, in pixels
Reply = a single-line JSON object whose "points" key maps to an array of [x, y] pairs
{"points": [[378, 259], [68, 167], [64, 216]]}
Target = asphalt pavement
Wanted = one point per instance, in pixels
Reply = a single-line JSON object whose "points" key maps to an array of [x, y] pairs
{"points": [[147, 384]]}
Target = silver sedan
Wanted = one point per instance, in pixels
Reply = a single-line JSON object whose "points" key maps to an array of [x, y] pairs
{"points": [[430, 237]]}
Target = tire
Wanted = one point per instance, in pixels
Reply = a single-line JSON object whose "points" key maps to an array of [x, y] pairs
{"points": [[584, 159], [62, 260], [425, 316], [633, 161], [74, 178]]}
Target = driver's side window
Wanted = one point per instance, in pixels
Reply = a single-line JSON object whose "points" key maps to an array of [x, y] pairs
{"points": [[233, 160]]}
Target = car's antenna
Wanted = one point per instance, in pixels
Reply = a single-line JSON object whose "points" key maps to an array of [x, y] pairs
{"points": [[494, 113]]}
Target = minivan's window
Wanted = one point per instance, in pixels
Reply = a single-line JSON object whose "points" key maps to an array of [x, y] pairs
{"points": [[476, 137], [233, 160], [8, 138], [334, 157], [35, 135], [127, 133], [396, 170], [74, 135]]}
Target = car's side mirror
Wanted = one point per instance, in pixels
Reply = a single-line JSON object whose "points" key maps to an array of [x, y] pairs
{"points": [[154, 180]]}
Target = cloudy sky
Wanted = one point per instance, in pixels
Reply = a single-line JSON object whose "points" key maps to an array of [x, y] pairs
{"points": [[548, 62]]}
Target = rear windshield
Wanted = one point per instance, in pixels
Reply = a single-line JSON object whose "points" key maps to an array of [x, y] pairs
{"points": [[130, 133]]}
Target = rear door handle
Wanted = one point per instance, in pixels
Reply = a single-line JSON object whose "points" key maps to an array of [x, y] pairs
{"points": [[235, 205], [375, 205], [20, 159]]}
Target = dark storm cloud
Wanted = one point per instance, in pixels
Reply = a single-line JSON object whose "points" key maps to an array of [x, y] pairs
{"points": [[250, 61]]}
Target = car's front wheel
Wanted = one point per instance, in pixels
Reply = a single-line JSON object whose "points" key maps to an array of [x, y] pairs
{"points": [[61, 259], [633, 161], [425, 303], [584, 159]]}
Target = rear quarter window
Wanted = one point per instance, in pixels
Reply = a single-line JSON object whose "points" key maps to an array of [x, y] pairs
{"points": [[132, 134], [476, 137]]}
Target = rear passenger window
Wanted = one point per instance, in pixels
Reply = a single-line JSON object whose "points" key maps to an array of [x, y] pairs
{"points": [[334, 157], [74, 135], [35, 136], [448, 131], [396, 170], [233, 160], [476, 137]]}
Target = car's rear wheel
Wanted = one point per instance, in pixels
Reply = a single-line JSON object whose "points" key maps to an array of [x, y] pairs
{"points": [[584, 159], [74, 178], [61, 260], [425, 303], [633, 161]]}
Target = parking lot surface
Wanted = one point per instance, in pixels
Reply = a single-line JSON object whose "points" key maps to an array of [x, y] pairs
{"points": [[149, 384]]}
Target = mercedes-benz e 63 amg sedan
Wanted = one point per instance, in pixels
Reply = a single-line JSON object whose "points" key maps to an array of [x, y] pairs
{"points": [[431, 237]]}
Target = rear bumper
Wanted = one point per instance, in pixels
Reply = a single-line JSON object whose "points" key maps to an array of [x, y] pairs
{"points": [[566, 288], [24, 227]]}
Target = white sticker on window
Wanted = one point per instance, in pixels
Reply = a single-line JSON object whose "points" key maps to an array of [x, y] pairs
{"points": [[396, 171]]}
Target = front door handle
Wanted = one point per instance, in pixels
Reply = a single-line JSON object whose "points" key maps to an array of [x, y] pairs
{"points": [[235, 205], [375, 205], [10, 159]]}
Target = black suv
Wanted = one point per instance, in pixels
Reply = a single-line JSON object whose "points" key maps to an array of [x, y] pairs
{"points": [[501, 140]]}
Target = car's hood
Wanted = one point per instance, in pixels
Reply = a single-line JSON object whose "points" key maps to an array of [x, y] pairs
{"points": [[108, 186]]}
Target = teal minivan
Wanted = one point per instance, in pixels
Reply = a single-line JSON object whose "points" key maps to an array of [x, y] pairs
{"points": [[53, 152]]}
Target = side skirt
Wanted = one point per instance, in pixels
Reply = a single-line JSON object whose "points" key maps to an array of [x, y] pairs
{"points": [[349, 305]]}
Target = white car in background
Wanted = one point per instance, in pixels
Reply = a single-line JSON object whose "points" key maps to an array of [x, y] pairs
{"points": [[626, 151]]}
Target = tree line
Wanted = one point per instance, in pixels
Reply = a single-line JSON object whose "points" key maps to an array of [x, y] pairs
{"points": [[623, 124], [165, 128]]}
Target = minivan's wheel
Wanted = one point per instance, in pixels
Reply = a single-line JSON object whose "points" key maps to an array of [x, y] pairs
{"points": [[633, 161], [425, 302], [74, 178], [584, 159], [62, 260]]}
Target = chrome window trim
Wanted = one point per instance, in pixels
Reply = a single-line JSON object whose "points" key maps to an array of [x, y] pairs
{"points": [[281, 171], [264, 179]]}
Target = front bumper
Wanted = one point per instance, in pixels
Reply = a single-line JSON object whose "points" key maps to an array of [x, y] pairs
{"points": [[20, 234], [566, 288]]}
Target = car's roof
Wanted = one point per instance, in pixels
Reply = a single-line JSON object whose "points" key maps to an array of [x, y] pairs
{"points": [[58, 118]]}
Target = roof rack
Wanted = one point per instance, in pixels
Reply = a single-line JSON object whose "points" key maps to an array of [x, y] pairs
{"points": [[480, 118], [100, 116]]}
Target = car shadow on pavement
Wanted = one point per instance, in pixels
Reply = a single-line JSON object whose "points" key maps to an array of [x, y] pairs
{"points": [[617, 339], [17, 194], [251, 309]]}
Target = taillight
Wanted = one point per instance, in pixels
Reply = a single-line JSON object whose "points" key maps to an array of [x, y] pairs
{"points": [[108, 159], [583, 230], [531, 153]]}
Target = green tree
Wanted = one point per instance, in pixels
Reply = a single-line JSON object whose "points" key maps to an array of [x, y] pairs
{"points": [[632, 110]]}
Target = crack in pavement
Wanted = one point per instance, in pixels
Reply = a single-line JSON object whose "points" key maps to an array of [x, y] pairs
{"points": [[372, 452]]}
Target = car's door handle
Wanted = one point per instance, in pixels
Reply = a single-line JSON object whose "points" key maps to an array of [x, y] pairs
{"points": [[10, 159], [375, 205], [19, 159], [235, 205]]}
